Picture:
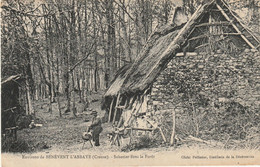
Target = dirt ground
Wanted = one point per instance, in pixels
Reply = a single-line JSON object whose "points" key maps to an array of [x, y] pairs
{"points": [[63, 135]]}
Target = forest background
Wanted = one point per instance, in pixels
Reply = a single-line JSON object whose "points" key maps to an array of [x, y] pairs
{"points": [[68, 48]]}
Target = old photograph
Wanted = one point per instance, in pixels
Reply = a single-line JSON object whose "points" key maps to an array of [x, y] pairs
{"points": [[130, 82]]}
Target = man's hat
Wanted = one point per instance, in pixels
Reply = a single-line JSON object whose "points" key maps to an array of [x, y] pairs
{"points": [[93, 113]]}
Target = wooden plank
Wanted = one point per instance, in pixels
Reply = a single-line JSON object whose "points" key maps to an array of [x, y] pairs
{"points": [[110, 110], [115, 112], [235, 27]]}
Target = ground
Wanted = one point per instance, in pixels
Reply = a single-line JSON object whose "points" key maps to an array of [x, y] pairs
{"points": [[63, 134]]}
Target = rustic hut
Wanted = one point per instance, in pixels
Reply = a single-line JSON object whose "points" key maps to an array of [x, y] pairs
{"points": [[213, 31], [10, 102]]}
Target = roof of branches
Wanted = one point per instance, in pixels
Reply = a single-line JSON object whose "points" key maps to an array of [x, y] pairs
{"points": [[168, 40]]}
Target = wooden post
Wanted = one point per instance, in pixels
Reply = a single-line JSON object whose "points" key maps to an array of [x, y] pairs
{"points": [[115, 112], [164, 138], [110, 110], [173, 127]]}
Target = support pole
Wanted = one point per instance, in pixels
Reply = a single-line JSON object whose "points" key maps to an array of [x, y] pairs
{"points": [[110, 110], [115, 112], [173, 127], [164, 138]]}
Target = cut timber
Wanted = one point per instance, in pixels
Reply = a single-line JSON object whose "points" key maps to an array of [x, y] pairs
{"points": [[115, 112], [235, 27], [187, 54], [110, 110], [173, 128]]}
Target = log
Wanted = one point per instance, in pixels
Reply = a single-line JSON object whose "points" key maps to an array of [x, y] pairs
{"points": [[235, 27], [143, 129], [10, 109], [110, 110], [115, 112], [173, 127], [12, 128]]}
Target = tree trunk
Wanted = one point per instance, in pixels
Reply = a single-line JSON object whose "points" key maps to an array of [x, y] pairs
{"points": [[30, 110], [74, 97]]}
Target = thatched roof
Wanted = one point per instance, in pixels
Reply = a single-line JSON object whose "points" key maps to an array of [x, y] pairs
{"points": [[118, 80], [163, 45]]}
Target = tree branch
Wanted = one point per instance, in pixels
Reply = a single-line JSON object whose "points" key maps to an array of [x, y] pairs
{"points": [[84, 58]]}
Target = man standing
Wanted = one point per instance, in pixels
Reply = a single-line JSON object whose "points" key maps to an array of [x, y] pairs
{"points": [[96, 128]]}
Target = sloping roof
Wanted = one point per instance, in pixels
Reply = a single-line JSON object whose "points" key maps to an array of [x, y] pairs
{"points": [[163, 45], [117, 81]]}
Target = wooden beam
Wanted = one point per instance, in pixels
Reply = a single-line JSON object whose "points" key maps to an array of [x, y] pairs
{"points": [[110, 110], [235, 27], [238, 20], [213, 24], [204, 36], [144, 129], [230, 34], [206, 44], [115, 112], [198, 37]]}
